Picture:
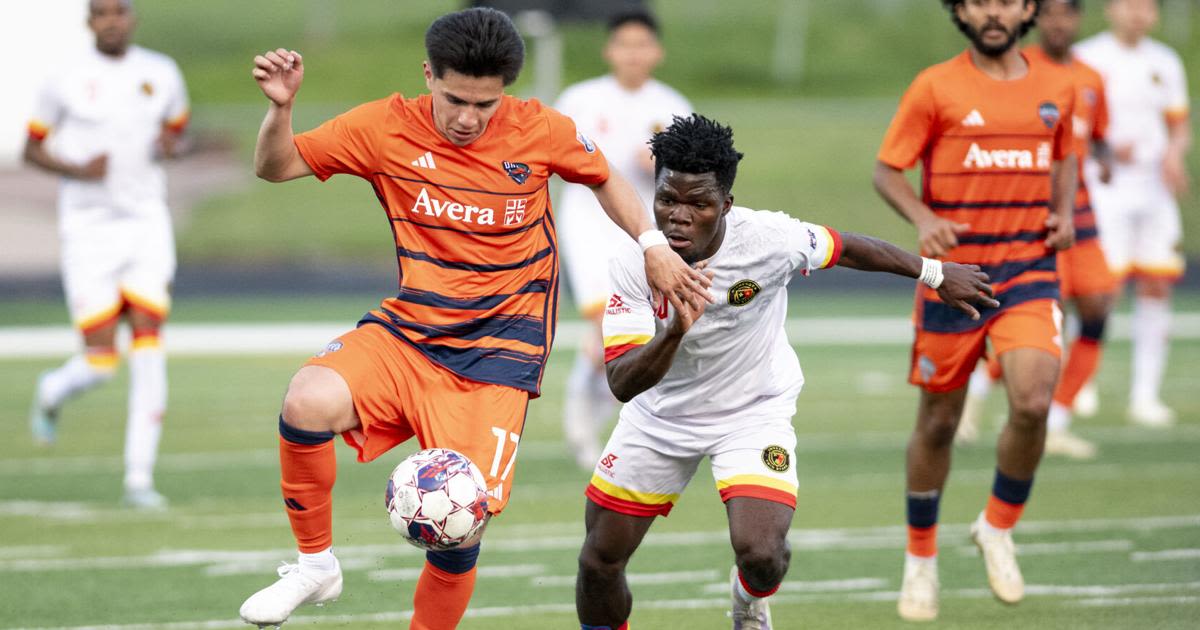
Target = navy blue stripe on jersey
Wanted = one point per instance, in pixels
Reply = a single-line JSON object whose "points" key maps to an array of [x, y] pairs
{"points": [[483, 365], [1084, 209], [1009, 237], [1009, 270], [466, 266], [481, 303], [447, 228], [523, 328], [1086, 234], [937, 317], [979, 205]]}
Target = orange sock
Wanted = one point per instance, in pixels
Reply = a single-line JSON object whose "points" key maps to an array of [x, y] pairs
{"points": [[1002, 514], [1081, 365], [922, 541], [308, 471], [441, 598]]}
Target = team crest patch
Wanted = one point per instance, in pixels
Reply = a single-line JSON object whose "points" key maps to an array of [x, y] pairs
{"points": [[333, 346], [147, 88], [588, 145], [518, 171], [1048, 112], [776, 458], [742, 292]]}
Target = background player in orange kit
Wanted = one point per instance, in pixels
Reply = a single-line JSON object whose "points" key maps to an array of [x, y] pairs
{"points": [[1084, 277], [454, 358], [993, 134]]}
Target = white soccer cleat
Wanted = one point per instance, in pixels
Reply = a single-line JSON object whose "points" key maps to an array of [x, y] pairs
{"points": [[1069, 445], [968, 424], [1087, 401], [919, 591], [1151, 413], [144, 499], [753, 616], [1000, 558], [296, 586], [43, 420]]}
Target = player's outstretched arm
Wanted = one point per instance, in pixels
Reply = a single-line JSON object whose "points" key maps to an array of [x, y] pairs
{"points": [[958, 285], [936, 235], [279, 74], [666, 272]]}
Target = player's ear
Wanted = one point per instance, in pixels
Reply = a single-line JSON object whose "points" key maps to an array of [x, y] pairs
{"points": [[428, 70], [728, 205]]}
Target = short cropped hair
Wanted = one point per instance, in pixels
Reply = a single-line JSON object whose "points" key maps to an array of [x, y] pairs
{"points": [[962, 26], [478, 42], [633, 16], [697, 145]]}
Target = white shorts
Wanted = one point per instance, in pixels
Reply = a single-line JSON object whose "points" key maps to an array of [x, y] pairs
{"points": [[649, 461], [588, 238], [1140, 229], [114, 264]]}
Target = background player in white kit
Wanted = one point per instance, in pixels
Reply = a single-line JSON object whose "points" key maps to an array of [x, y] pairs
{"points": [[620, 110], [1136, 212], [102, 122], [720, 381]]}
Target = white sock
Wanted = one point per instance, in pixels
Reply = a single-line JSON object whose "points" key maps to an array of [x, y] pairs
{"points": [[74, 377], [147, 403], [742, 593], [911, 559], [578, 424], [320, 561], [1151, 325], [981, 382], [1059, 418]]}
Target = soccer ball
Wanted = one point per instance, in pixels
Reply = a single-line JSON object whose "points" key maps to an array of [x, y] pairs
{"points": [[436, 499]]}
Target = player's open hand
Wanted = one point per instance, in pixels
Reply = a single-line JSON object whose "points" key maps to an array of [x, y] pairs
{"points": [[92, 170], [279, 73], [669, 276], [938, 236], [965, 285], [1060, 234]]}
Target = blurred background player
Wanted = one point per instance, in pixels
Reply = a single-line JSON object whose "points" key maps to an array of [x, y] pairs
{"points": [[454, 358], [102, 122], [1084, 277], [620, 111], [738, 408], [1137, 213], [994, 136]]}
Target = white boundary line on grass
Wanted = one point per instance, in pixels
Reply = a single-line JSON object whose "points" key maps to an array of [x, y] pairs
{"points": [[269, 338]]}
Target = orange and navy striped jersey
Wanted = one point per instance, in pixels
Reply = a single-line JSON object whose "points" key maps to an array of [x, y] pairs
{"points": [[1089, 123], [986, 147], [474, 232]]}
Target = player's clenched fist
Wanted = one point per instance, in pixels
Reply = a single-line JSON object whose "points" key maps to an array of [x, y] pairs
{"points": [[938, 236], [963, 285], [279, 73]]}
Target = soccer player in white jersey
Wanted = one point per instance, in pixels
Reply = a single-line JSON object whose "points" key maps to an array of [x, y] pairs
{"points": [[720, 381], [1136, 211], [620, 110], [102, 122]]}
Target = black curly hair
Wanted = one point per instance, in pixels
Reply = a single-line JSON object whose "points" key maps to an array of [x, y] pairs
{"points": [[697, 145], [966, 30]]}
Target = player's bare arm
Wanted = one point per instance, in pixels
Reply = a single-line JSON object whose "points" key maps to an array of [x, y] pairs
{"points": [[937, 236], [1103, 155], [666, 272], [642, 368], [37, 155], [961, 285], [1179, 141], [1060, 224], [279, 74]]}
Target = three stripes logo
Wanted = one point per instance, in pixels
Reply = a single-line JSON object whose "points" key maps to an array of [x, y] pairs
{"points": [[425, 161], [973, 119]]}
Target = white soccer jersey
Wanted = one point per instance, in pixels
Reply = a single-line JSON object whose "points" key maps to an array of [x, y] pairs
{"points": [[1145, 86], [737, 354], [621, 122], [100, 105]]}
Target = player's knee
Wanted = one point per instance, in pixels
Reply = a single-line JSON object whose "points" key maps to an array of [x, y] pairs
{"points": [[597, 562], [313, 403], [937, 428], [1030, 406], [763, 559]]}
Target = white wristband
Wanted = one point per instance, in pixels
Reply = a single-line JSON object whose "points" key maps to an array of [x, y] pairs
{"points": [[652, 238], [931, 273]]}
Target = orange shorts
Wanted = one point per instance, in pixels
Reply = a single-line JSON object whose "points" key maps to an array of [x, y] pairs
{"points": [[1083, 270], [398, 394], [943, 362]]}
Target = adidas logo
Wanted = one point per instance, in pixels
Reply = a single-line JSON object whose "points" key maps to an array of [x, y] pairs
{"points": [[974, 119], [426, 161]]}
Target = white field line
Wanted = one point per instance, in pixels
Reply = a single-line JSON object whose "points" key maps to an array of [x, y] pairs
{"points": [[668, 604], [360, 556], [1166, 554], [1043, 549], [266, 338], [636, 579], [1107, 602], [813, 586]]}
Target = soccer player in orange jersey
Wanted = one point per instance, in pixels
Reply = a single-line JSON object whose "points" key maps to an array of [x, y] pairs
{"points": [[993, 134], [455, 356]]}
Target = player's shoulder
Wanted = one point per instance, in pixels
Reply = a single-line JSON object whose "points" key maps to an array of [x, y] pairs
{"points": [[528, 116], [588, 87], [951, 70], [627, 258], [1087, 74], [1095, 46], [151, 58], [1161, 52], [759, 224]]}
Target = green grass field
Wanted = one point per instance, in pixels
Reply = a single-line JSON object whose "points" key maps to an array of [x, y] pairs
{"points": [[1112, 543]]}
